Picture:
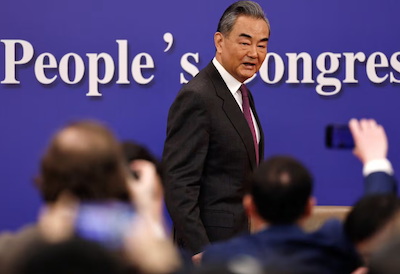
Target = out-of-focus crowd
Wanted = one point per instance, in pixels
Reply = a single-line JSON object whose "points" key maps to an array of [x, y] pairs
{"points": [[86, 175]]}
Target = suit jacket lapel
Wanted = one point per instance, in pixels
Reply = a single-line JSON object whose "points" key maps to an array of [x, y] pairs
{"points": [[233, 112]]}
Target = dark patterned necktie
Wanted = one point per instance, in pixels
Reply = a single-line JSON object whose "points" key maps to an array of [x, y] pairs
{"points": [[249, 119]]}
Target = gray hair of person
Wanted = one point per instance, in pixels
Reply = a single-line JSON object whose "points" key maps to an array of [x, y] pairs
{"points": [[240, 8]]}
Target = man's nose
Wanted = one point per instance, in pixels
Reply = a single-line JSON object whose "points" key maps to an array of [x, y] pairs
{"points": [[252, 51]]}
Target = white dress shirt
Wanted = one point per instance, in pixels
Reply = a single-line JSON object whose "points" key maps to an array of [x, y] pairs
{"points": [[379, 165], [233, 85]]}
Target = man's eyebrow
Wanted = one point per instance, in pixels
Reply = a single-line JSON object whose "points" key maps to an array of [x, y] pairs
{"points": [[249, 36], [245, 35]]}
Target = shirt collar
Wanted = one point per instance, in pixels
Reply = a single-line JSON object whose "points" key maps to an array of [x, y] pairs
{"points": [[231, 82]]}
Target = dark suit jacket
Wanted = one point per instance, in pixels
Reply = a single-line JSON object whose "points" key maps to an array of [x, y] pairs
{"points": [[208, 152], [325, 251], [288, 249]]}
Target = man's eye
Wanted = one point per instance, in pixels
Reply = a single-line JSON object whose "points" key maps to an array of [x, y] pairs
{"points": [[262, 46], [245, 44]]}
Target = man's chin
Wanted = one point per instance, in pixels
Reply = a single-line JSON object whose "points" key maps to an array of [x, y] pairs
{"points": [[247, 75], [250, 78]]}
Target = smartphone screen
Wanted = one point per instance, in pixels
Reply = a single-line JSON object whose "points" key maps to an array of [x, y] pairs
{"points": [[339, 137], [105, 223]]}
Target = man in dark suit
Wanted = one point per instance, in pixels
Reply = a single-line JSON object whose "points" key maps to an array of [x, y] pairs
{"points": [[280, 200], [214, 136]]}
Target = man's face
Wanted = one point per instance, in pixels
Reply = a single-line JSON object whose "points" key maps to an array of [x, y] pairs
{"points": [[244, 49]]}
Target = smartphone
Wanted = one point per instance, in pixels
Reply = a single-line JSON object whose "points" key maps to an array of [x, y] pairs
{"points": [[339, 137], [106, 223]]}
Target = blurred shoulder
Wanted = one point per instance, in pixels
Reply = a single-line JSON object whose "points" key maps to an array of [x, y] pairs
{"points": [[12, 243], [225, 251], [23, 235]]}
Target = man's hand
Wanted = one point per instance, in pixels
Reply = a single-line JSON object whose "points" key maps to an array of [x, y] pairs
{"points": [[146, 191], [147, 247], [197, 259], [370, 140], [360, 270]]}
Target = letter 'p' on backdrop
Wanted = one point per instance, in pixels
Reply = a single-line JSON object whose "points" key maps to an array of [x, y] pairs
{"points": [[123, 62]]}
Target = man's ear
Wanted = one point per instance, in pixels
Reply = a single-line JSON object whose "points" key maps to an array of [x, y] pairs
{"points": [[312, 201], [248, 204], [218, 40]]}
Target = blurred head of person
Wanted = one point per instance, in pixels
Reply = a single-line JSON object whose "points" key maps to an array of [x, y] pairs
{"points": [[279, 192], [372, 222], [133, 151], [85, 160]]}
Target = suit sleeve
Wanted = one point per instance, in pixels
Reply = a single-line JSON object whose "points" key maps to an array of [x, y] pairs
{"points": [[219, 254], [223, 252], [380, 182], [185, 151]]}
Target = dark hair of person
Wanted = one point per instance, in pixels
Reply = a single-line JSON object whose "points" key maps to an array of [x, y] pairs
{"points": [[240, 8], [369, 215], [84, 159], [133, 151], [281, 188]]}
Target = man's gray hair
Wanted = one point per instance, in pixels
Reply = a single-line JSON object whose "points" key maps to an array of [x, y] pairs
{"points": [[240, 8]]}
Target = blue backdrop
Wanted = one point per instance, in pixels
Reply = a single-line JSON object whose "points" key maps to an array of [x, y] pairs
{"points": [[293, 115]]}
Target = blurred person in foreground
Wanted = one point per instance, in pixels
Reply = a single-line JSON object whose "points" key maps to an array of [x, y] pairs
{"points": [[386, 260], [280, 200], [133, 152], [84, 163], [372, 223], [73, 256]]}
